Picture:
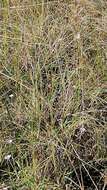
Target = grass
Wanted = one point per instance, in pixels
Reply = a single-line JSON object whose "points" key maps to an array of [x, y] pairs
{"points": [[53, 125]]}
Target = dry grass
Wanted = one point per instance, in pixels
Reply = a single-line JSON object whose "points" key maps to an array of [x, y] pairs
{"points": [[53, 63]]}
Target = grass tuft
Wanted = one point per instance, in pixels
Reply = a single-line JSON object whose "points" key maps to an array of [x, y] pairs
{"points": [[53, 95]]}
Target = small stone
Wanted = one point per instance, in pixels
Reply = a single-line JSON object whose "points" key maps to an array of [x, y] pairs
{"points": [[9, 141], [5, 188], [11, 95], [82, 130], [77, 36], [7, 157]]}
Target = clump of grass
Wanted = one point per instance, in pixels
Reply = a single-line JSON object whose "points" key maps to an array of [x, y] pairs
{"points": [[53, 94]]}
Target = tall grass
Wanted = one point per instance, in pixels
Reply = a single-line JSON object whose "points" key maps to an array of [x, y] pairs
{"points": [[53, 124]]}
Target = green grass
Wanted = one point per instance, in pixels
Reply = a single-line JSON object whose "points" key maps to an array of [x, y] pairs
{"points": [[53, 94]]}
